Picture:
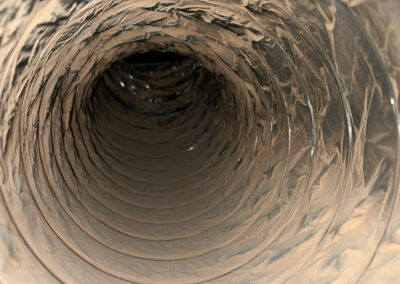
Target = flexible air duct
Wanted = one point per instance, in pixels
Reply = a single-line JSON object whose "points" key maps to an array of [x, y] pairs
{"points": [[192, 141]]}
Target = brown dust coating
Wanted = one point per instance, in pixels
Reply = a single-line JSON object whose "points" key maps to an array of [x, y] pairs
{"points": [[198, 141]]}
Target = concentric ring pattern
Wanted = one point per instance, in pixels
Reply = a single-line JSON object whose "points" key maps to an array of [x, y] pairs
{"points": [[197, 141]]}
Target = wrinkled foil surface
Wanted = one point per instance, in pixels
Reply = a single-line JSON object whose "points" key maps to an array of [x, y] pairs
{"points": [[265, 151]]}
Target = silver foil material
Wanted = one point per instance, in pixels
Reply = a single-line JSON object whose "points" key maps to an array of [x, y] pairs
{"points": [[267, 153]]}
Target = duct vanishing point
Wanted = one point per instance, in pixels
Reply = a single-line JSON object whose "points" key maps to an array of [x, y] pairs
{"points": [[199, 141]]}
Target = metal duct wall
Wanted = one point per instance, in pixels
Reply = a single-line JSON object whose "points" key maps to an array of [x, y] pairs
{"points": [[199, 141]]}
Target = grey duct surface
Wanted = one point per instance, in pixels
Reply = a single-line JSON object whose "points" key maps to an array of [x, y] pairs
{"points": [[199, 141]]}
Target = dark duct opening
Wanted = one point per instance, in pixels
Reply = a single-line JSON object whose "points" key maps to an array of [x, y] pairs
{"points": [[166, 135]]}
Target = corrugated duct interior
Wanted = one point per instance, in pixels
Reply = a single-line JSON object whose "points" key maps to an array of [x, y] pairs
{"points": [[192, 141]]}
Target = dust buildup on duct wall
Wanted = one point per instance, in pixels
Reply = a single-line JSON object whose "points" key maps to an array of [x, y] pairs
{"points": [[198, 141]]}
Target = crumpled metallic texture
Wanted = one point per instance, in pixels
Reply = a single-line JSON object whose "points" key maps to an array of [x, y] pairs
{"points": [[301, 135]]}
